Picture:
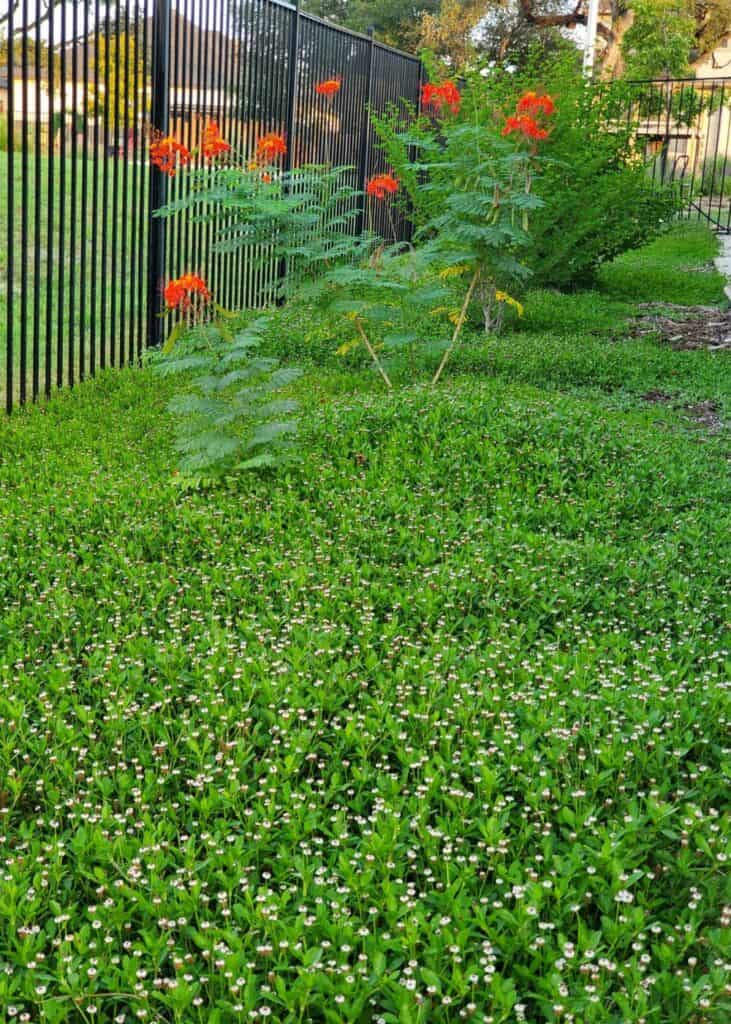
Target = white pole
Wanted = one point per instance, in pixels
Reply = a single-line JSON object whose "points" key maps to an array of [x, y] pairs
{"points": [[590, 47]]}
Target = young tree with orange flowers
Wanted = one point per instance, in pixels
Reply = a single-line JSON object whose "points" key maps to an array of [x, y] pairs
{"points": [[470, 190]]}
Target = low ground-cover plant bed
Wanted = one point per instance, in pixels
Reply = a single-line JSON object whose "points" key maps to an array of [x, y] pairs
{"points": [[430, 726]]}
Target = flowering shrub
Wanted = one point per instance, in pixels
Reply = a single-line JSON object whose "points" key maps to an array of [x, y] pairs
{"points": [[329, 87], [525, 125], [167, 154], [472, 192], [187, 294], [270, 147], [230, 417], [382, 185], [597, 199], [442, 97], [213, 145]]}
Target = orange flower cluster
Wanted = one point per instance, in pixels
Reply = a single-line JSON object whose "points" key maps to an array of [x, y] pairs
{"points": [[382, 185], [530, 112], [526, 125], [439, 96], [213, 144], [534, 104], [179, 294], [270, 146], [329, 87], [167, 154]]}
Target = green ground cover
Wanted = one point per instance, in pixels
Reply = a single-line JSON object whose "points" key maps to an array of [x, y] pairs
{"points": [[432, 726]]}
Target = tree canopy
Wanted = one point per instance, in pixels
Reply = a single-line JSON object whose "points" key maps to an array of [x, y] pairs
{"points": [[649, 37]]}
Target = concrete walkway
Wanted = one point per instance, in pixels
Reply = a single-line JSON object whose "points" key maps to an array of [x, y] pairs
{"points": [[723, 261]]}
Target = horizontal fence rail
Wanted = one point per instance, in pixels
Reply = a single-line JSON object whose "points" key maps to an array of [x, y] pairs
{"points": [[84, 88]]}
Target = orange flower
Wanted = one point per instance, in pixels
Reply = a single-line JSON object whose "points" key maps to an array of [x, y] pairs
{"points": [[213, 144], [382, 185], [438, 96], [534, 104], [329, 87], [167, 153], [180, 294], [270, 146], [526, 125]]}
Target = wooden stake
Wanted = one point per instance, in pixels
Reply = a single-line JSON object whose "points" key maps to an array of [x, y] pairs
{"points": [[458, 328]]}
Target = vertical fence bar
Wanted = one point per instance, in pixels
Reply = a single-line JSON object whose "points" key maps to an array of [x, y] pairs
{"points": [[291, 111], [11, 217], [73, 211], [158, 180], [24, 167], [95, 204], [724, 114], [37, 187], [60, 303], [135, 240], [144, 216], [105, 270], [712, 145], [84, 203], [48, 374], [178, 184], [365, 133], [205, 76], [114, 155], [125, 351]]}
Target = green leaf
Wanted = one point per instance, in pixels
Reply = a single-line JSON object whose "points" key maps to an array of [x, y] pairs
{"points": [[268, 432]]}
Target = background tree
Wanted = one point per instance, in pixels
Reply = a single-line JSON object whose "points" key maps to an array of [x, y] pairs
{"points": [[712, 23], [461, 31], [670, 34], [661, 39], [120, 71], [43, 53], [395, 21]]}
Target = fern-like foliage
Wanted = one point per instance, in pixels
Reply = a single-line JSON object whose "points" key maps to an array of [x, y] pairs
{"points": [[234, 413], [296, 223]]}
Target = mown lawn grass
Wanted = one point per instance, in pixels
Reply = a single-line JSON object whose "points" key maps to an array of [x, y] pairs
{"points": [[432, 726], [66, 273]]}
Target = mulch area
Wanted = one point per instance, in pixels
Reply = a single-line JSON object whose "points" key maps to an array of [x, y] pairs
{"points": [[685, 327]]}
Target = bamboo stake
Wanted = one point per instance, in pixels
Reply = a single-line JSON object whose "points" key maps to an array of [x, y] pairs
{"points": [[458, 328], [372, 353]]}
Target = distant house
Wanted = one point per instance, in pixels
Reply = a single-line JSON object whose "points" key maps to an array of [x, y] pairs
{"points": [[690, 133], [32, 100], [3, 90], [716, 64]]}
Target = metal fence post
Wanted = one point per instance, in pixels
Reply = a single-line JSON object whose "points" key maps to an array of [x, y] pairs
{"points": [[294, 43], [366, 131], [10, 296], [158, 180], [290, 129]]}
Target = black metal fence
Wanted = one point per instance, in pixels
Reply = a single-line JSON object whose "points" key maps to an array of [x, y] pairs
{"points": [[83, 87], [683, 131]]}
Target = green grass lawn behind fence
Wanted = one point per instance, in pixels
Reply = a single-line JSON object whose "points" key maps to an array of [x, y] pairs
{"points": [[72, 267], [431, 727]]}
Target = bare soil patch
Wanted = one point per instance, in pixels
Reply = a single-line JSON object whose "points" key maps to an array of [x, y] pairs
{"points": [[685, 327], [703, 414]]}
